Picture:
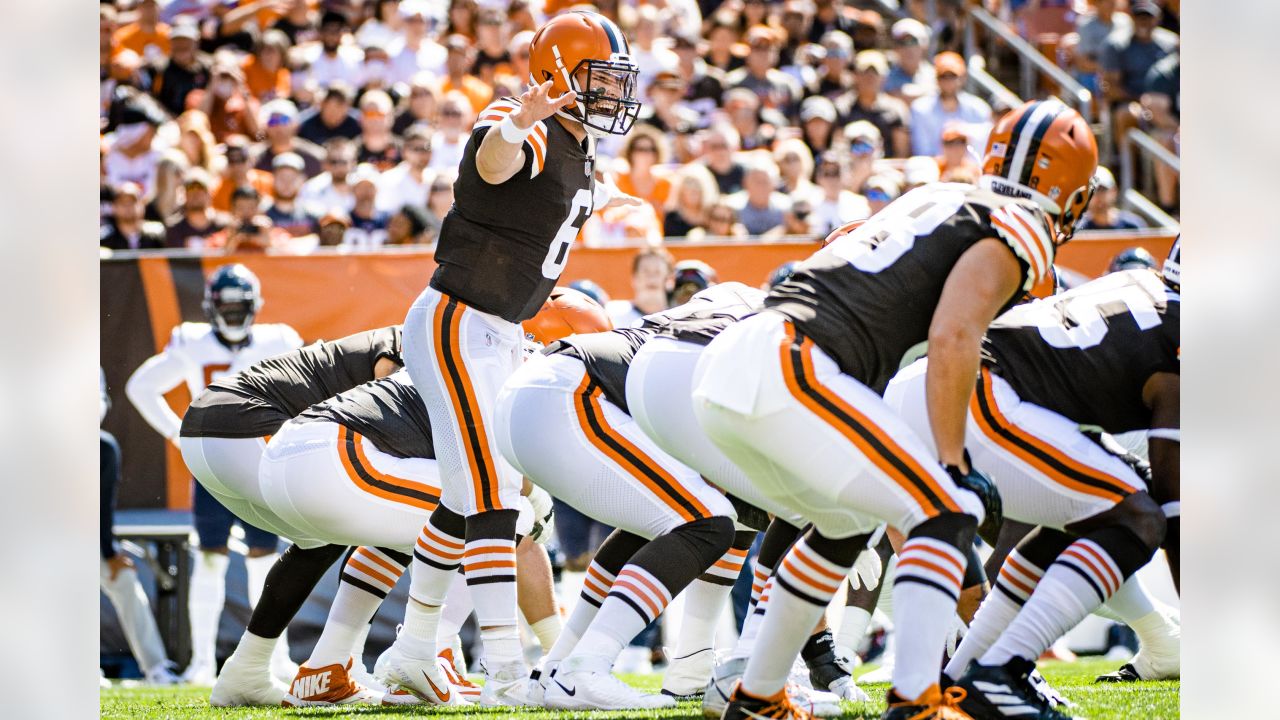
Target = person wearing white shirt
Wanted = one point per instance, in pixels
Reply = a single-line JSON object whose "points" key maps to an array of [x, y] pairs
{"points": [[329, 190], [451, 138], [651, 282], [408, 182], [835, 205], [931, 113], [414, 51], [333, 60]]}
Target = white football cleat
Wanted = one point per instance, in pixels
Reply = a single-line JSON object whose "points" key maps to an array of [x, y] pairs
{"points": [[414, 681], [686, 677], [538, 680], [163, 674], [449, 667], [283, 668], [634, 660], [201, 674], [506, 686], [327, 686], [585, 683], [727, 674], [242, 684]]}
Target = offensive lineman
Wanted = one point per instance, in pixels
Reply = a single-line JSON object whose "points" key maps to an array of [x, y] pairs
{"points": [[526, 184], [1105, 355], [793, 395], [197, 354]]}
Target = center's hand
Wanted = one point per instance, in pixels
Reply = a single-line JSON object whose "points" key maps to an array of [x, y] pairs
{"points": [[536, 104], [622, 198]]}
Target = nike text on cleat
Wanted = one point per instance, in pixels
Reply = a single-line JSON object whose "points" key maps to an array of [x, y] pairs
{"points": [[326, 686]]}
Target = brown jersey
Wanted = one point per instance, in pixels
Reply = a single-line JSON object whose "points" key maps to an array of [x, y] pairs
{"points": [[502, 247]]}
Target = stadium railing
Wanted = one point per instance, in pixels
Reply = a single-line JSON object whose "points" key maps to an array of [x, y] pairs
{"points": [[1148, 151]]}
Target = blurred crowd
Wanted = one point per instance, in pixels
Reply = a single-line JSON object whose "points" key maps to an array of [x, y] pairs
{"points": [[285, 125]]}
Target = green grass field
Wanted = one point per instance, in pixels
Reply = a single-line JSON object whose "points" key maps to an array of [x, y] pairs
{"points": [[1147, 700]]}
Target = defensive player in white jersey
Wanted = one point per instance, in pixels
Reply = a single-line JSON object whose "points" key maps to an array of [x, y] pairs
{"points": [[793, 394], [196, 354], [1102, 355]]}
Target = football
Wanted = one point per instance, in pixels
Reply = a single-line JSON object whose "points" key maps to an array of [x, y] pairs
{"points": [[567, 312]]}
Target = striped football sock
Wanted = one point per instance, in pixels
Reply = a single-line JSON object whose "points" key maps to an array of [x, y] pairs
{"points": [[704, 599], [368, 575], [609, 560], [489, 563], [925, 592]]}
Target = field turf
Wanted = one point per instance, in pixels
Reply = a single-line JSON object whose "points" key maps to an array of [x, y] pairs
{"points": [[1074, 680]]}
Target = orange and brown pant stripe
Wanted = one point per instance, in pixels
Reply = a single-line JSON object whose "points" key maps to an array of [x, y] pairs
{"points": [[477, 447], [870, 440], [1040, 455], [371, 480], [631, 458]]}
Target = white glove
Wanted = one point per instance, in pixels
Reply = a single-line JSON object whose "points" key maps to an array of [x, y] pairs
{"points": [[867, 570], [956, 635], [543, 516]]}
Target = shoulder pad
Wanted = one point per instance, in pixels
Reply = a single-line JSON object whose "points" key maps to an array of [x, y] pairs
{"points": [[1027, 231]]}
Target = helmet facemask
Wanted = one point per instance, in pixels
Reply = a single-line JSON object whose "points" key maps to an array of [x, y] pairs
{"points": [[606, 102], [1072, 208], [231, 312]]}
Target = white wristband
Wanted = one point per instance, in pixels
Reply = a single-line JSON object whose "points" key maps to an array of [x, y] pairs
{"points": [[513, 134], [1172, 509], [1174, 434]]}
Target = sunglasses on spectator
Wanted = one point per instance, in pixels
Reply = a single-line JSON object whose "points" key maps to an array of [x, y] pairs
{"points": [[340, 161], [876, 195], [907, 41], [278, 119], [450, 113], [417, 148], [862, 147]]}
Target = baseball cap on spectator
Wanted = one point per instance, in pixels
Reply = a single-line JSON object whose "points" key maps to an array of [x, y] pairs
{"points": [[198, 176], [288, 160], [871, 60], [415, 9], [864, 132], [837, 44], [949, 62], [417, 217], [920, 170], [869, 18], [910, 30], [1144, 7], [364, 172], [376, 102], [667, 79], [339, 90], [952, 131], [684, 40], [335, 215], [819, 107], [128, 188], [884, 184], [278, 112], [1104, 178], [141, 109], [184, 31], [762, 36]]}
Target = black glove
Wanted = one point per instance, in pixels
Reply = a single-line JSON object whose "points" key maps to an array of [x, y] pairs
{"points": [[979, 484]]}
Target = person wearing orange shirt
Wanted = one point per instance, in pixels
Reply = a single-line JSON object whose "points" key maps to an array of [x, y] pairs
{"points": [[265, 73], [644, 148], [461, 56], [239, 173], [955, 159], [146, 36]]}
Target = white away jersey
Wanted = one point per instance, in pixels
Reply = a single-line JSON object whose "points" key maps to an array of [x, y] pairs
{"points": [[195, 356]]}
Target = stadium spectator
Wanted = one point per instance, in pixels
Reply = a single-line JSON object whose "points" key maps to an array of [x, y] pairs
{"points": [[1126, 59], [720, 143], [1102, 213], [255, 235], [703, 83], [197, 219], [866, 148], [836, 205], [237, 173], [759, 206], [146, 36], [651, 281], [694, 192], [931, 113], [867, 101], [797, 220], [408, 182], [1094, 27], [818, 123], [165, 200], [834, 74], [458, 65], [227, 103], [955, 157], [333, 118], [195, 140], [879, 190], [297, 21], [650, 55], [333, 60], [329, 190], [377, 145], [722, 224], [829, 15], [266, 73], [795, 167], [135, 150], [462, 18], [742, 110], [368, 229], [439, 200], [760, 73], [285, 212], [868, 30], [688, 278], [518, 54], [375, 69], [279, 120], [796, 20], [410, 226], [910, 77], [415, 52], [1161, 109], [917, 171], [126, 229], [644, 148], [421, 105], [665, 111], [722, 36], [385, 27], [492, 58], [453, 129], [333, 228], [186, 69]]}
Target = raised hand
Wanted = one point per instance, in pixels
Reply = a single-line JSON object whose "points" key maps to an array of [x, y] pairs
{"points": [[535, 105]]}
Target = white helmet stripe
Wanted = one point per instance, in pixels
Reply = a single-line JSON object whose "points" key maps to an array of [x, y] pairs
{"points": [[1045, 112]]}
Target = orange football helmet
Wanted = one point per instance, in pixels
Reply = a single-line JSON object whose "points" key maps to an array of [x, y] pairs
{"points": [[566, 312], [586, 53], [1045, 152]]}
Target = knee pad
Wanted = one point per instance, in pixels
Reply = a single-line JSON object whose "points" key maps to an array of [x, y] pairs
{"points": [[710, 537], [448, 521], [956, 529]]}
